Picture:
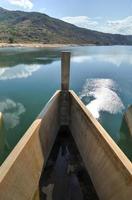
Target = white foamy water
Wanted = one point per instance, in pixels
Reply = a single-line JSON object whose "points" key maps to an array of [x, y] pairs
{"points": [[11, 112], [19, 71], [104, 96]]}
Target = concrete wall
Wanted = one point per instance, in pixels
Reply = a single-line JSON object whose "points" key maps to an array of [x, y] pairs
{"points": [[20, 173], [64, 108], [109, 168], [128, 118], [2, 133]]}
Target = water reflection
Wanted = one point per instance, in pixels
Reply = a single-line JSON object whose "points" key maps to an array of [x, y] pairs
{"points": [[4, 146], [125, 141], [104, 87], [115, 59], [19, 71], [101, 95], [13, 56], [11, 112]]}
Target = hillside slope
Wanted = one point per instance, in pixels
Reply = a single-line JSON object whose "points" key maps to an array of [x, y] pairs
{"points": [[18, 26]]}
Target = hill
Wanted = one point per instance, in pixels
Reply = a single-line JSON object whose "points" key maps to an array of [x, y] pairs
{"points": [[26, 27]]}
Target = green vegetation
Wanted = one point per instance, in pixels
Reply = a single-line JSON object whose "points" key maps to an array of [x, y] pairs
{"points": [[18, 26], [11, 40]]}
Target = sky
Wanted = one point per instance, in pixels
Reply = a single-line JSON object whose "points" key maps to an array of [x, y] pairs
{"points": [[112, 16]]}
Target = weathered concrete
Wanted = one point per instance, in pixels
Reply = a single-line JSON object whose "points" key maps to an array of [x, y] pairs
{"points": [[65, 177], [20, 173], [128, 118], [50, 124], [65, 77], [109, 169], [65, 70], [64, 108]]}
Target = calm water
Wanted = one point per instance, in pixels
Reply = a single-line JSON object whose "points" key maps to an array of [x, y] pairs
{"points": [[101, 76]]}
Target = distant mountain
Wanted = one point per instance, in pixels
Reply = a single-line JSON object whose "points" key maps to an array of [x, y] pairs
{"points": [[18, 26]]}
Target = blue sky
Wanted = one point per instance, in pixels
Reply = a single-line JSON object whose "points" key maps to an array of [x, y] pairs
{"points": [[113, 16]]}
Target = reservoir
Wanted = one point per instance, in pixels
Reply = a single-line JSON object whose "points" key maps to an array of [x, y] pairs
{"points": [[101, 77]]}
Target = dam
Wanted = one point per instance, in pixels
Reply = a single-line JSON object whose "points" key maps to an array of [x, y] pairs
{"points": [[108, 170]]}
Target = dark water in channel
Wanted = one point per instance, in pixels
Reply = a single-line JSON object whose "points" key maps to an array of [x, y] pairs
{"points": [[64, 176], [101, 76]]}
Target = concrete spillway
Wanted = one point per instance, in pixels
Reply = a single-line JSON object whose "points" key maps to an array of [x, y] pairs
{"points": [[65, 176], [109, 169]]}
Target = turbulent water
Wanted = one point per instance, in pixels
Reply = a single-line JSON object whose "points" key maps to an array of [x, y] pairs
{"points": [[101, 76]]}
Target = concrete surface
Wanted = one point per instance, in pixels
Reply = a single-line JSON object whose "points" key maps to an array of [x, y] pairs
{"points": [[108, 167], [21, 171], [65, 70], [65, 177], [64, 108]]}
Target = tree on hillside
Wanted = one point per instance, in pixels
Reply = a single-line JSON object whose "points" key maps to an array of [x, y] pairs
{"points": [[11, 40]]}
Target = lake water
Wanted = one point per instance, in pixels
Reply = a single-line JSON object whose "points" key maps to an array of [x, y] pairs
{"points": [[101, 77]]}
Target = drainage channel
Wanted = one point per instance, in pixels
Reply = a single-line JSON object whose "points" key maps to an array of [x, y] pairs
{"points": [[64, 176]]}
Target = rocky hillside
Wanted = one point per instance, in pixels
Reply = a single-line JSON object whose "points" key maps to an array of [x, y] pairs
{"points": [[18, 26]]}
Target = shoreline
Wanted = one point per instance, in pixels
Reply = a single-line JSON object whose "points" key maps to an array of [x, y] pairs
{"points": [[41, 45], [36, 45]]}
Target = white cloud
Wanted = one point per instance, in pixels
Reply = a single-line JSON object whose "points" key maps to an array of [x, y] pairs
{"points": [[122, 26], [26, 4], [81, 21]]}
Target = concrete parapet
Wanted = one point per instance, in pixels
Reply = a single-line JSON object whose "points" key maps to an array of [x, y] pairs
{"points": [[65, 70], [21, 171], [109, 169]]}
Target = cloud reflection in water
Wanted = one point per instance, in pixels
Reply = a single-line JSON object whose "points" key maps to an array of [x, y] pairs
{"points": [[19, 71], [11, 112], [116, 59]]}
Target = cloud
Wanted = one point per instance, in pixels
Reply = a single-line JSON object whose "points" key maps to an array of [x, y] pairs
{"points": [[19, 71], [26, 4], [11, 112], [81, 21], [122, 26]]}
